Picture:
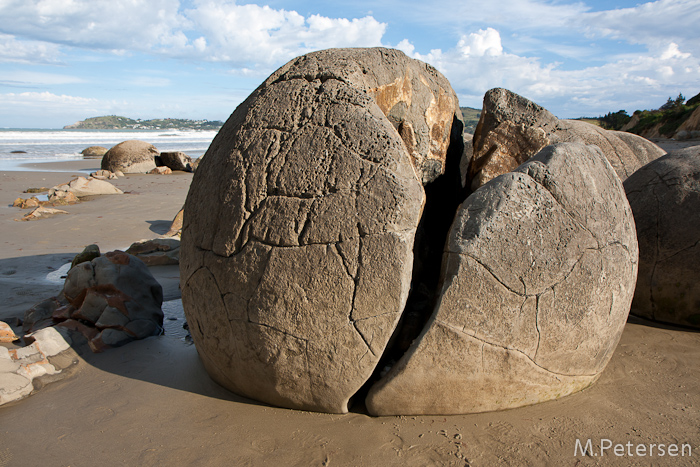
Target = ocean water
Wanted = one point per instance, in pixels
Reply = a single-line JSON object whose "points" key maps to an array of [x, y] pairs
{"points": [[19, 147]]}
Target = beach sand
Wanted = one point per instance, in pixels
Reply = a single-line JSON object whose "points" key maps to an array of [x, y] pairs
{"points": [[151, 402]]}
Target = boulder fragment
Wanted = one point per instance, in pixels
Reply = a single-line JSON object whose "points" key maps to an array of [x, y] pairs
{"points": [[82, 187], [176, 160]]}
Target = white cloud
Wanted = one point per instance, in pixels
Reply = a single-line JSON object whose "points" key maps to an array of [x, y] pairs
{"points": [[484, 42], [253, 37], [249, 35], [653, 24], [22, 78], [20, 51], [478, 63], [44, 98], [106, 24]]}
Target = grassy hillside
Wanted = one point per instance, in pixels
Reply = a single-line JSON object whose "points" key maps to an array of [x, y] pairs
{"points": [[471, 118], [114, 122], [666, 119]]}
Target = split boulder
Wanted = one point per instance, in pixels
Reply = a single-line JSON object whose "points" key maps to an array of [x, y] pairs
{"points": [[299, 225]]}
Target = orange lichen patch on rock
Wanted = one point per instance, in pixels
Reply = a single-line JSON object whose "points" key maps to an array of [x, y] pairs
{"points": [[6, 333], [118, 257], [438, 116], [115, 297], [388, 95], [505, 148]]}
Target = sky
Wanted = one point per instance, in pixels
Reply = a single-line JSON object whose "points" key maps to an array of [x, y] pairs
{"points": [[66, 60]]}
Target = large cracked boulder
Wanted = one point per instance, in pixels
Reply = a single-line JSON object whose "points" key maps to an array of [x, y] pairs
{"points": [[665, 200], [132, 156], [512, 129], [299, 224], [538, 276]]}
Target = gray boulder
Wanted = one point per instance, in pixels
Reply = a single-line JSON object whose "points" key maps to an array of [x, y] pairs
{"points": [[299, 224], [131, 156], [665, 200], [537, 280], [111, 300], [512, 129]]}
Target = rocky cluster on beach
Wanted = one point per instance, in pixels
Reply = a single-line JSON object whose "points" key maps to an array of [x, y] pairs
{"points": [[135, 156], [341, 238], [109, 299]]}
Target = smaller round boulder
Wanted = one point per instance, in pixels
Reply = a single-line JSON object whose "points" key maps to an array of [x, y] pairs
{"points": [[93, 152], [131, 156]]}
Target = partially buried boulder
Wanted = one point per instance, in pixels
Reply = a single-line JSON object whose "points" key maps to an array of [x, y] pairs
{"points": [[94, 152], [299, 225], [82, 187], [538, 276], [665, 200], [512, 129], [131, 156]]}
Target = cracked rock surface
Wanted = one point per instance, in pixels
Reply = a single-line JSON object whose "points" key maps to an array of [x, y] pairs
{"points": [[537, 280], [665, 200], [512, 129], [299, 226]]}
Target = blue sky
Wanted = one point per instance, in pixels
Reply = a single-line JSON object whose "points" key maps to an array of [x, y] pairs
{"points": [[65, 60]]}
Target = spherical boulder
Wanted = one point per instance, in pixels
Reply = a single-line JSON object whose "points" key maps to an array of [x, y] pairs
{"points": [[299, 224], [537, 280], [665, 200], [131, 156]]}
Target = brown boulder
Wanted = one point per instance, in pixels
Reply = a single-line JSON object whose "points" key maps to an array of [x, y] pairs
{"points": [[93, 152], [161, 171], [512, 129], [131, 156]]}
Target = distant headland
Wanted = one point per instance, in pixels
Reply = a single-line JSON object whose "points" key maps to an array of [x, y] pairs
{"points": [[114, 122]]}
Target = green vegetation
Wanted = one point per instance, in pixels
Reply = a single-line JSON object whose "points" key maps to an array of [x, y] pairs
{"points": [[668, 117], [471, 118], [114, 122]]}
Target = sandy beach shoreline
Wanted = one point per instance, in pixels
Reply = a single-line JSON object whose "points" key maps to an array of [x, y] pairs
{"points": [[151, 402]]}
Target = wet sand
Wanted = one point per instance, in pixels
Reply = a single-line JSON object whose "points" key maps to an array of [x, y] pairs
{"points": [[152, 403]]}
